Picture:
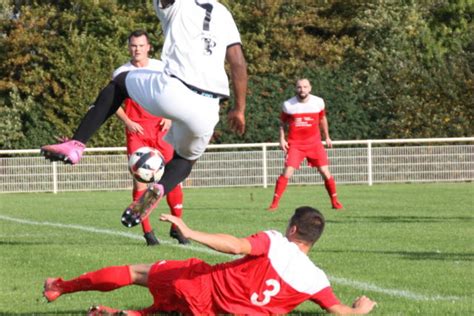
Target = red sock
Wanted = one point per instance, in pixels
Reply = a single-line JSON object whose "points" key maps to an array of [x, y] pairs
{"points": [[137, 193], [175, 201], [146, 226], [280, 188], [106, 279], [330, 185]]}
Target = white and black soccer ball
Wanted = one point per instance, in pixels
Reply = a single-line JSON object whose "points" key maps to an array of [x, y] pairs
{"points": [[146, 164]]}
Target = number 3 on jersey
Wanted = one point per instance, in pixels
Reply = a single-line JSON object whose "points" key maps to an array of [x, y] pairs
{"points": [[273, 289]]}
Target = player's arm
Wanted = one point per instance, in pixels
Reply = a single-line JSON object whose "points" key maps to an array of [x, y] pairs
{"points": [[323, 124], [132, 126], [361, 306], [283, 142], [238, 68], [221, 242]]}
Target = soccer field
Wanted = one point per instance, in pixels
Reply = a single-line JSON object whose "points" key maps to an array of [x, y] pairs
{"points": [[410, 247]]}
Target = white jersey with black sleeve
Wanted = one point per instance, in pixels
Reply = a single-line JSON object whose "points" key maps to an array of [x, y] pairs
{"points": [[197, 34]]}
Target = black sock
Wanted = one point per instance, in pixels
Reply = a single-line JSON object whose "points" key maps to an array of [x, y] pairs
{"points": [[176, 170], [107, 103]]}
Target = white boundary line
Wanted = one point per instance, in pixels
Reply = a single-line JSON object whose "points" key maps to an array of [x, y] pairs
{"points": [[337, 280], [109, 232], [391, 292]]}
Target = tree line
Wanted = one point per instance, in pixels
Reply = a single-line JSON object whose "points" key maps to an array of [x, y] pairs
{"points": [[387, 69]]}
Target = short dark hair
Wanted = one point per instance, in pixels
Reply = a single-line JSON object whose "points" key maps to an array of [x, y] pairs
{"points": [[138, 33], [309, 223]]}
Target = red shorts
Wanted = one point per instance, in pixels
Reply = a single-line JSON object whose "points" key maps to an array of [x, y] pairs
{"points": [[315, 155], [181, 286], [152, 138]]}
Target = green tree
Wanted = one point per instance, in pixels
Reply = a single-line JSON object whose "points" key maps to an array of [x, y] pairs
{"points": [[415, 82], [386, 69]]}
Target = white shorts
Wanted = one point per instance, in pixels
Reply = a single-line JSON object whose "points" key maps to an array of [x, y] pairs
{"points": [[194, 116]]}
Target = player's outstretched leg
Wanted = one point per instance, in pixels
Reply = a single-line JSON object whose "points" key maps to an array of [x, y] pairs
{"points": [[141, 208], [69, 151], [108, 101]]}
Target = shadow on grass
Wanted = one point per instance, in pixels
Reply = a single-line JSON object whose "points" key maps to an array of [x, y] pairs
{"points": [[402, 219], [412, 255]]}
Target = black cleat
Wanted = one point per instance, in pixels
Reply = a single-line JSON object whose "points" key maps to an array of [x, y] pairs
{"points": [[151, 239], [130, 219], [176, 234]]}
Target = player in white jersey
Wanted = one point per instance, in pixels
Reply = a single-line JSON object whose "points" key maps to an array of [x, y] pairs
{"points": [[199, 37], [273, 278]]}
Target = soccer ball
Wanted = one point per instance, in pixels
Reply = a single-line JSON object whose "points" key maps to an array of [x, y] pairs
{"points": [[146, 164]]}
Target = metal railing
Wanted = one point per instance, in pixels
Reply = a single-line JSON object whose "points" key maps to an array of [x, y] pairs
{"points": [[361, 161]]}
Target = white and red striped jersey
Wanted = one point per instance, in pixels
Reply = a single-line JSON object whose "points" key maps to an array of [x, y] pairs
{"points": [[303, 120], [275, 278]]}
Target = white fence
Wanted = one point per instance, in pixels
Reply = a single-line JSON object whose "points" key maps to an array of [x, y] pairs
{"points": [[367, 161]]}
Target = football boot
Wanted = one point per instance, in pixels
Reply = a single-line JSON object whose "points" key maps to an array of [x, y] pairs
{"points": [[68, 151], [143, 206]]}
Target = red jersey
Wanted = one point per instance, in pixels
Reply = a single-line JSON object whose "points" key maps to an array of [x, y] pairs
{"points": [[303, 120], [275, 278], [149, 122]]}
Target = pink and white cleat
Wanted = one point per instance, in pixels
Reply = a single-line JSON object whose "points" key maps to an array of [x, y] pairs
{"points": [[142, 208], [69, 151]]}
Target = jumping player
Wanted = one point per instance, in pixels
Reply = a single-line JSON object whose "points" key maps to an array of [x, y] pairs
{"points": [[144, 129], [199, 37], [302, 116], [273, 278]]}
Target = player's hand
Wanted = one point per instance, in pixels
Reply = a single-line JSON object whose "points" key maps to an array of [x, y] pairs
{"points": [[134, 127], [328, 142], [284, 145], [236, 121], [363, 304], [165, 125], [176, 221]]}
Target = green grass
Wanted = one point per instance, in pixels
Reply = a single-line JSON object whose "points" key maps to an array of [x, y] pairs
{"points": [[408, 246]]}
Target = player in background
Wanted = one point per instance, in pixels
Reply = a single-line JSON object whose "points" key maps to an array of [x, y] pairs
{"points": [[143, 129], [199, 38], [303, 116], [273, 277]]}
